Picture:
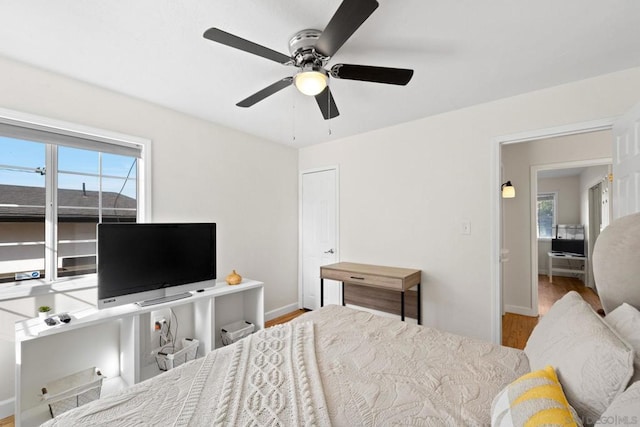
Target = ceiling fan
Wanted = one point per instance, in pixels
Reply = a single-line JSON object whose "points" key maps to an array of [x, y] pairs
{"points": [[310, 51]]}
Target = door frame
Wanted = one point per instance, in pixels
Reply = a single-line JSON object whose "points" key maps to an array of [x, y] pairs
{"points": [[335, 168], [496, 202]]}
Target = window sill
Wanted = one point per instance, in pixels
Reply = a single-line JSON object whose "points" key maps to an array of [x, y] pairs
{"points": [[544, 239], [34, 288]]}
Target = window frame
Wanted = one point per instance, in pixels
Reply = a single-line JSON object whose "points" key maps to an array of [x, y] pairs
{"points": [[93, 135], [555, 212]]}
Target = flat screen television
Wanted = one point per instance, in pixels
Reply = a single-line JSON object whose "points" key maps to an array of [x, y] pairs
{"points": [[570, 246], [154, 263]]}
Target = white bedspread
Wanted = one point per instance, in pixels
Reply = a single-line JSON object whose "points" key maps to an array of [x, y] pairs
{"points": [[268, 379], [380, 371], [374, 371]]}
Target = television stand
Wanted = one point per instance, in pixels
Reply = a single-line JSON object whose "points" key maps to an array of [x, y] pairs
{"points": [[167, 298], [121, 341], [581, 270]]}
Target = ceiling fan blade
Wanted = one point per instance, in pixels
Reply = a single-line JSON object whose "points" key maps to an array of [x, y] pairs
{"points": [[366, 73], [267, 91], [327, 104], [347, 19], [217, 35]]}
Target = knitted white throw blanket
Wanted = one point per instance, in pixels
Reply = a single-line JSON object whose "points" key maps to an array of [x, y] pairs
{"points": [[271, 379]]}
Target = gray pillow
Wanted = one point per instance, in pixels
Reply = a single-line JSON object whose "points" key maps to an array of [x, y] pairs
{"points": [[625, 409], [593, 364], [625, 320]]}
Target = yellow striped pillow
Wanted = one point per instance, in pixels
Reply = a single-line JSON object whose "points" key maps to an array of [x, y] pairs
{"points": [[534, 399]]}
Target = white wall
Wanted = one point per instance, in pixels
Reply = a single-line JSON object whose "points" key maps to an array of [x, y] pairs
{"points": [[404, 191], [201, 172], [568, 189]]}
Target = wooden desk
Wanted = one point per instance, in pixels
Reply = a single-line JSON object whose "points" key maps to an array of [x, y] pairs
{"points": [[390, 278]]}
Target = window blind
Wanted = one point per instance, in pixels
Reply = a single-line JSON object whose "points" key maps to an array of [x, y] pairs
{"points": [[70, 138]]}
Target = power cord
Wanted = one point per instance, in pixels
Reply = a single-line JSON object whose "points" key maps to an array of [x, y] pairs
{"points": [[167, 339]]}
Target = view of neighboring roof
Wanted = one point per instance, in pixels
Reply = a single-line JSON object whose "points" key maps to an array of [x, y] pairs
{"points": [[19, 203]]}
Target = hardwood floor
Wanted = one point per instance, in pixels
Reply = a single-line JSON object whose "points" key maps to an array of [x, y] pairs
{"points": [[516, 329], [549, 293], [282, 319], [7, 422]]}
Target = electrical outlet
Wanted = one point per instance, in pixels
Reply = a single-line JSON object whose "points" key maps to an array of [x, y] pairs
{"points": [[159, 323]]}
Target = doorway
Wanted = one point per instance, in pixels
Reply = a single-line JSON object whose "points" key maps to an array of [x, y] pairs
{"points": [[522, 162], [500, 297], [318, 235]]}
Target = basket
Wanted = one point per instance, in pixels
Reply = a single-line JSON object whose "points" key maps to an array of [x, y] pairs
{"points": [[72, 391], [186, 351], [235, 331]]}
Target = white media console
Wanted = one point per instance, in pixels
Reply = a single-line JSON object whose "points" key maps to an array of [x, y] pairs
{"points": [[116, 340]]}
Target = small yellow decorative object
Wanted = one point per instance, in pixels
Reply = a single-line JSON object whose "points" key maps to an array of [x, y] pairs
{"points": [[234, 278]]}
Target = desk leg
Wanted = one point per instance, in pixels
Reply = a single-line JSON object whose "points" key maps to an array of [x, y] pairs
{"points": [[342, 294], [321, 292], [402, 304], [550, 269], [419, 317]]}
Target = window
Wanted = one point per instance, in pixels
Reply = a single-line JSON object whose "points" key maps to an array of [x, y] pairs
{"points": [[546, 213], [55, 187]]}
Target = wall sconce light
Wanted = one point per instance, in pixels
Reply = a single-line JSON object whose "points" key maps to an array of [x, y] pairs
{"points": [[508, 190]]}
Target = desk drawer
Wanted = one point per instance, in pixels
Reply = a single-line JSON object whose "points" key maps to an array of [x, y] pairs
{"points": [[363, 279]]}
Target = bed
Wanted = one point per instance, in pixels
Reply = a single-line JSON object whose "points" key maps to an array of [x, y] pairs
{"points": [[344, 367]]}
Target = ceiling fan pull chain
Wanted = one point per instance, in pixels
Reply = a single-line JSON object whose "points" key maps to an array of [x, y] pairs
{"points": [[293, 117], [328, 109]]}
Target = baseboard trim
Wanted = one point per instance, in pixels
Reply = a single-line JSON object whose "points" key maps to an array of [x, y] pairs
{"points": [[524, 311], [270, 315], [7, 407]]}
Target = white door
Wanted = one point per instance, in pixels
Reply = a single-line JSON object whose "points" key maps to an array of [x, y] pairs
{"points": [[319, 236], [626, 164]]}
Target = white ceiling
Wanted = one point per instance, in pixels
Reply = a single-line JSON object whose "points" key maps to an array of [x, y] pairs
{"points": [[464, 52], [561, 173]]}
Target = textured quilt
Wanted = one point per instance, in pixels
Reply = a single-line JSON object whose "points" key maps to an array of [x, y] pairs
{"points": [[267, 379], [334, 366], [380, 371]]}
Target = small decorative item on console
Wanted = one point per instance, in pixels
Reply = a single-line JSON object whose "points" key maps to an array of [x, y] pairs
{"points": [[43, 311], [234, 278]]}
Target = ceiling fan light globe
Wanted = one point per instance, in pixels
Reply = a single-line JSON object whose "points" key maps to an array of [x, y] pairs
{"points": [[311, 83]]}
